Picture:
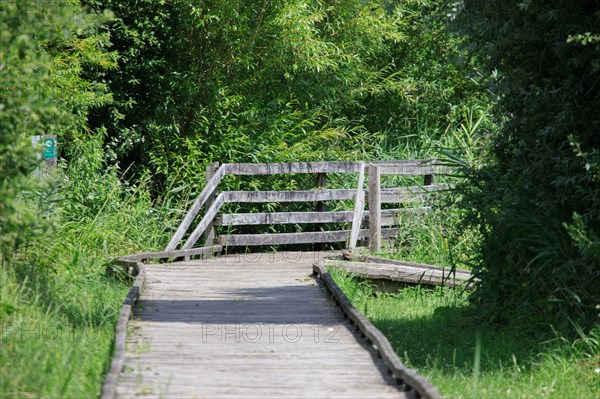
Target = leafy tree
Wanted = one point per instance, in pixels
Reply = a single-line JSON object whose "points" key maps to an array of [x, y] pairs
{"points": [[537, 199], [264, 81]]}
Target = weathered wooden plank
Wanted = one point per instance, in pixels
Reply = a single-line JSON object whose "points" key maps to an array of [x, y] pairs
{"points": [[400, 167], [241, 219], [289, 196], [375, 259], [109, 388], [208, 190], [407, 274], [359, 207], [206, 221], [212, 354], [295, 238], [240, 169], [210, 250], [388, 217], [389, 195], [374, 208]]}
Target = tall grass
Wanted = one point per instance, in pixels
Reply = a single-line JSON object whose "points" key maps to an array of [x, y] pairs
{"points": [[58, 308]]}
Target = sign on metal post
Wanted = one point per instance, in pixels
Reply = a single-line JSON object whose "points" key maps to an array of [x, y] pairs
{"points": [[49, 153]]}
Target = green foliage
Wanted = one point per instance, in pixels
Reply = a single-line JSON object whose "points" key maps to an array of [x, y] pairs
{"points": [[295, 80], [44, 48], [537, 259], [57, 308]]}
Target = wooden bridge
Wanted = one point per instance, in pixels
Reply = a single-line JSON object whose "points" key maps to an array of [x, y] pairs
{"points": [[263, 324]]}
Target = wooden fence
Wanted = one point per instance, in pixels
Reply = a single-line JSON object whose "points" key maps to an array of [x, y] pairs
{"points": [[380, 221]]}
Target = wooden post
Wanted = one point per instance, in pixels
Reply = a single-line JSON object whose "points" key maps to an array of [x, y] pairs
{"points": [[374, 208], [359, 207], [321, 182], [210, 234], [320, 206]]}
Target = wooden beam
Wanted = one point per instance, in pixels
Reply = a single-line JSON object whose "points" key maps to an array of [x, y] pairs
{"points": [[321, 182], [385, 261], [359, 207], [401, 167], [206, 221], [289, 196], [388, 217], [406, 274], [374, 209], [172, 254], [210, 187], [210, 233], [241, 219], [294, 238]]}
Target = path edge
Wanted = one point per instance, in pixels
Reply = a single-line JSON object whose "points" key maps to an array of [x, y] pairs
{"points": [[407, 377], [133, 265]]}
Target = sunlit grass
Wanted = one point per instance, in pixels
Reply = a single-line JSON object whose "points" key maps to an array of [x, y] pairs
{"points": [[434, 331]]}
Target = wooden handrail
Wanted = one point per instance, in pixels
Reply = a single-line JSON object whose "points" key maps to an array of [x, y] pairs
{"points": [[214, 202], [211, 186]]}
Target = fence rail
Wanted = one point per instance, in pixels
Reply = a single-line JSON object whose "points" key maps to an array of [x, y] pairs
{"points": [[212, 200]]}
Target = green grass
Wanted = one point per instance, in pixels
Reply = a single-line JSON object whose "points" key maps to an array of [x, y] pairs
{"points": [[56, 346], [58, 308], [435, 331]]}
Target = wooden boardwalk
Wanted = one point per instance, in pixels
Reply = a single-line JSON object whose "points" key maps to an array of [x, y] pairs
{"points": [[252, 326]]}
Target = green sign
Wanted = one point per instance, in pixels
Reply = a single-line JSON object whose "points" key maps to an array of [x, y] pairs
{"points": [[49, 148]]}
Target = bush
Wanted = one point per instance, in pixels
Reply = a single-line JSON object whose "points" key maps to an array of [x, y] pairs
{"points": [[536, 199]]}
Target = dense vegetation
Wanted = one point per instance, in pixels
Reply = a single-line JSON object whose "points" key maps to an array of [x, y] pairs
{"points": [[536, 196], [143, 94]]}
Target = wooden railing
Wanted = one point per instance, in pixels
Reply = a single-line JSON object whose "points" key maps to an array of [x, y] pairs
{"points": [[379, 220]]}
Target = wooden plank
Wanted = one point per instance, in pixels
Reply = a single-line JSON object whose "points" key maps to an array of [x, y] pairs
{"points": [[388, 217], [359, 207], [289, 196], [414, 381], [109, 388], [202, 342], [374, 208], [389, 195], [295, 238], [240, 219], [210, 250], [410, 194], [375, 259], [407, 274], [195, 208], [400, 167], [206, 221], [240, 169]]}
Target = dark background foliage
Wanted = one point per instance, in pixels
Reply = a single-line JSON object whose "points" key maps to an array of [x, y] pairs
{"points": [[536, 200]]}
